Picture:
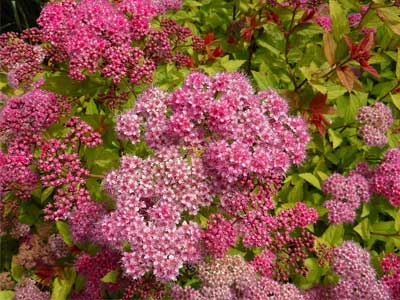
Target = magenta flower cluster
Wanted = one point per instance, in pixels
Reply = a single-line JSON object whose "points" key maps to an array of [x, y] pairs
{"points": [[391, 266], [61, 168], [376, 120], [115, 38]]}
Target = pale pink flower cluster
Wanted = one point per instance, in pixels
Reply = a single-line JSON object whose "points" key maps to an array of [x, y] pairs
{"points": [[376, 120], [151, 194], [232, 278], [347, 194]]}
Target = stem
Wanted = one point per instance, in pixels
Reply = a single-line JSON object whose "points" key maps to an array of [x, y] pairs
{"points": [[287, 37], [386, 234]]}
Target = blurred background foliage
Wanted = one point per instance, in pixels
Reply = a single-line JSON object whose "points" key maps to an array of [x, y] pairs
{"points": [[16, 15]]}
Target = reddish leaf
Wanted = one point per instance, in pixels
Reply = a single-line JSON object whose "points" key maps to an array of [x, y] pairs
{"points": [[319, 108], [368, 68], [219, 51], [350, 44], [346, 77], [209, 38], [329, 47], [366, 43], [246, 33]]}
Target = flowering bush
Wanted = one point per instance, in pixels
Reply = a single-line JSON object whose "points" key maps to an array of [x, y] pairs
{"points": [[165, 149]]}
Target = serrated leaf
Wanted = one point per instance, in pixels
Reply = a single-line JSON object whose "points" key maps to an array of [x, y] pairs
{"points": [[389, 15], [346, 77], [363, 229], [63, 229], [333, 235], [340, 24], [62, 286], [110, 277], [296, 193], [312, 179], [6, 295], [91, 107]]}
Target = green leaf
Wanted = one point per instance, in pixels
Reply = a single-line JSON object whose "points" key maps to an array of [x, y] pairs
{"points": [[390, 16], [363, 229], [333, 235], [6, 295], [91, 107], [46, 194], [232, 65], [296, 193], [63, 229], [398, 64], [340, 24], [397, 221], [29, 213], [62, 286], [261, 80], [234, 251], [111, 276], [17, 271], [312, 179], [396, 100], [334, 138]]}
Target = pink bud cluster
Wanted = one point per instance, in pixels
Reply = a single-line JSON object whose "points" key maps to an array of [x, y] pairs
{"points": [[347, 193], [61, 168], [391, 266], [16, 176], [21, 60], [29, 114], [219, 235], [113, 37], [151, 194], [376, 120], [94, 268]]}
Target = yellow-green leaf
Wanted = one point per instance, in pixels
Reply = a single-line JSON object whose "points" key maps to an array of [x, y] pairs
{"points": [[312, 179]]}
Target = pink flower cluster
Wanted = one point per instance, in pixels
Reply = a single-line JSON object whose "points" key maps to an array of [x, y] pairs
{"points": [[241, 134], [27, 290], [21, 119], [61, 168], [242, 141], [151, 194], [347, 193], [376, 120], [385, 180], [391, 266], [100, 35], [357, 278]]}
